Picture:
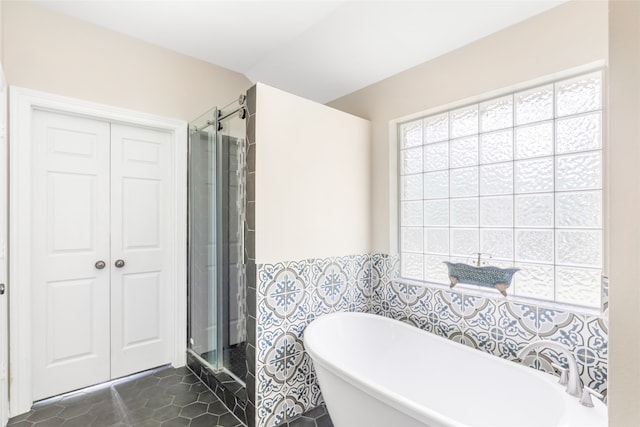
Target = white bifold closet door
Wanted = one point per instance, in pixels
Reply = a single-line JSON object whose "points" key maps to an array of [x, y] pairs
{"points": [[140, 289], [98, 197]]}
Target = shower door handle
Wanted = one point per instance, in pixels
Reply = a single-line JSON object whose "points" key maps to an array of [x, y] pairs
{"points": [[119, 263]]}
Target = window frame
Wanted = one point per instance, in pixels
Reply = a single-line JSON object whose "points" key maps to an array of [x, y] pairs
{"points": [[553, 79]]}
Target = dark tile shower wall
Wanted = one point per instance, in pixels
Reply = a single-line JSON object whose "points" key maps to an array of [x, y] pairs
{"points": [[250, 257]]}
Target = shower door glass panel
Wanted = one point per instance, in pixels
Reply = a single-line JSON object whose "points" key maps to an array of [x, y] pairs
{"points": [[231, 148], [204, 325], [217, 290]]}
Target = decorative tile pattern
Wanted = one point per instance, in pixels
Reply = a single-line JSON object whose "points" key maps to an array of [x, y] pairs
{"points": [[283, 410], [448, 306], [331, 281], [290, 295], [286, 291], [363, 274], [494, 324], [286, 385], [514, 329]]}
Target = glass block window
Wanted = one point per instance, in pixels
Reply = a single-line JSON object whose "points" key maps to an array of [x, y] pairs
{"points": [[517, 179]]}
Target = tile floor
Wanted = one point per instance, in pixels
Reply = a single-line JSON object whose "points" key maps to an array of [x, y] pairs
{"points": [[164, 397], [317, 417]]}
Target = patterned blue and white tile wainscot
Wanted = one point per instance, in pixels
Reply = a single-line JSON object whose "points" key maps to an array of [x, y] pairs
{"points": [[494, 324], [289, 296]]}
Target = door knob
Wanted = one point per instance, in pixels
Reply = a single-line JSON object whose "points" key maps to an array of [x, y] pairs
{"points": [[2, 287], [120, 263], [100, 265]]}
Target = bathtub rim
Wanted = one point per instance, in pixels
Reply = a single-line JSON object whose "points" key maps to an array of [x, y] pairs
{"points": [[420, 412]]}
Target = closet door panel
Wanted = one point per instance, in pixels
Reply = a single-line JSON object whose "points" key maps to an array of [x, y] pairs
{"points": [[70, 233], [140, 196]]}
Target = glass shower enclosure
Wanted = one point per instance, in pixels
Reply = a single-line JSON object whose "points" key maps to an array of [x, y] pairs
{"points": [[217, 290]]}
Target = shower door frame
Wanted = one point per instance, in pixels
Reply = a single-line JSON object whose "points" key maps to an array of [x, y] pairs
{"points": [[222, 233], [217, 199], [221, 199]]}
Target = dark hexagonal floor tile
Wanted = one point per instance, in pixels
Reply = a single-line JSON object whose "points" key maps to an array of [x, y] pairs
{"points": [[19, 418], [205, 420], [50, 422], [170, 380], [140, 415], [153, 392], [178, 388], [193, 410], [324, 421], [44, 412], [176, 422], [317, 417], [190, 379], [159, 402], [147, 382], [229, 419], [73, 410], [198, 388], [149, 423], [207, 397], [185, 399], [131, 403], [166, 413], [166, 397], [80, 421], [217, 408], [107, 419], [21, 423]]}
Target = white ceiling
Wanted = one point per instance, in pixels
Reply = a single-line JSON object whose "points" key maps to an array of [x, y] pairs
{"points": [[320, 50]]}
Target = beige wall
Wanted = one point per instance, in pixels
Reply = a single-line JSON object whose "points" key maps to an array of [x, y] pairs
{"points": [[624, 208], [1, 31], [312, 179], [568, 36], [48, 51]]}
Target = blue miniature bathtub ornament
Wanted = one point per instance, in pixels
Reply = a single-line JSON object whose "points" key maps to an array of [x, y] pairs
{"points": [[489, 276]]}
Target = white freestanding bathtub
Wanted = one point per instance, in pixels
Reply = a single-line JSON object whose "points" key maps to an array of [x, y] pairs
{"points": [[378, 372]]}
